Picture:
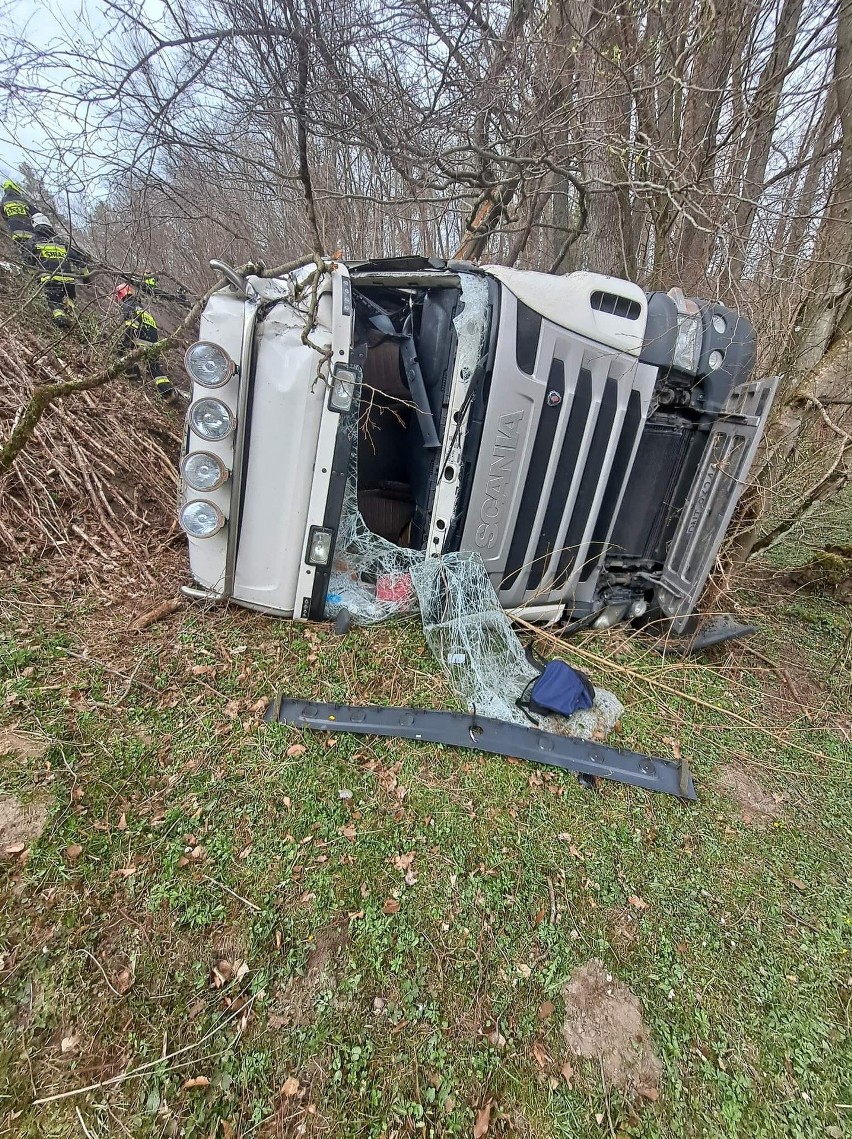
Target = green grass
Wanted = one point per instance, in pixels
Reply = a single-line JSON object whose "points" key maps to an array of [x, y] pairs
{"points": [[741, 959]]}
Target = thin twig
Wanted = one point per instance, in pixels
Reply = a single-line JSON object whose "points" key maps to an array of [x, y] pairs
{"points": [[119, 1079], [103, 972], [86, 1131], [233, 893]]}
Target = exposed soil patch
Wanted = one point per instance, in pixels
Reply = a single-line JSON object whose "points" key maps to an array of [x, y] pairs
{"points": [[757, 806], [16, 743], [604, 1023], [20, 823], [297, 1001]]}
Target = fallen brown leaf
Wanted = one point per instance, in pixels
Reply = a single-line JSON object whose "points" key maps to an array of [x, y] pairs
{"points": [[349, 832], [539, 1054], [403, 861], [391, 906], [637, 902], [196, 1082], [483, 1121], [124, 980], [122, 822], [221, 973], [290, 1087], [295, 750], [73, 852], [674, 745], [567, 1072], [16, 848], [545, 1010]]}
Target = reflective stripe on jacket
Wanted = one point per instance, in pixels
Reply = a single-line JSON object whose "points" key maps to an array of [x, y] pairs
{"points": [[17, 213], [140, 328], [57, 261]]}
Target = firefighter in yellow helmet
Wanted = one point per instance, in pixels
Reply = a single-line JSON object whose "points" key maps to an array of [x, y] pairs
{"points": [[60, 267], [140, 331], [17, 212]]}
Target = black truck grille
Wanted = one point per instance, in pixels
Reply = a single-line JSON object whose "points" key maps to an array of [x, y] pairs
{"points": [[577, 519]]}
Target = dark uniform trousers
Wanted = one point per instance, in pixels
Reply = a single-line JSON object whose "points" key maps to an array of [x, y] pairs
{"points": [[60, 266], [140, 331]]}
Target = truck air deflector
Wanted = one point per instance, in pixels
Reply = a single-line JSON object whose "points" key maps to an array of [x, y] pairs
{"points": [[716, 489], [496, 737]]}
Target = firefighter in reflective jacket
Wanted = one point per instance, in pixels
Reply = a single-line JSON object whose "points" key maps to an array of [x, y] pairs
{"points": [[140, 331], [60, 266], [17, 212]]}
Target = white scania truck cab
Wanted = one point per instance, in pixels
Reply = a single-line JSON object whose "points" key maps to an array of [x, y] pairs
{"points": [[588, 440]]}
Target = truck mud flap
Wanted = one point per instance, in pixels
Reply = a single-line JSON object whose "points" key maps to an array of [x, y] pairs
{"points": [[716, 489], [458, 729]]}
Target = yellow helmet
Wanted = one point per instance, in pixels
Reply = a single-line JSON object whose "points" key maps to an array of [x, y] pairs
{"points": [[13, 186]]}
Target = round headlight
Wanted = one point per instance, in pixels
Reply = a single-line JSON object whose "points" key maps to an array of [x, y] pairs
{"points": [[203, 471], [209, 364], [201, 519], [211, 419]]}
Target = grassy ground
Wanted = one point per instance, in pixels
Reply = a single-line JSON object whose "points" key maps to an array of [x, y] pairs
{"points": [[264, 934]]}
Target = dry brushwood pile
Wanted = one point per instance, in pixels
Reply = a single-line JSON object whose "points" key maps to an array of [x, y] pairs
{"points": [[94, 491]]}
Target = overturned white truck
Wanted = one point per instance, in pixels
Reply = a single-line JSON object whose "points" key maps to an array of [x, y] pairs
{"points": [[588, 440]]}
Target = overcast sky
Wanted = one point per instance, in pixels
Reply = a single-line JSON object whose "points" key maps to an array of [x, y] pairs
{"points": [[21, 139], [61, 26]]}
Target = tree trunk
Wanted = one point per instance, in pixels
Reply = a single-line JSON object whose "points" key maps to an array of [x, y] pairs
{"points": [[603, 101], [826, 303], [764, 115]]}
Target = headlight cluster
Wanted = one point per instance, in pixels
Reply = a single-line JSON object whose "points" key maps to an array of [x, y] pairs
{"points": [[202, 471], [209, 364], [212, 420], [202, 519]]}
